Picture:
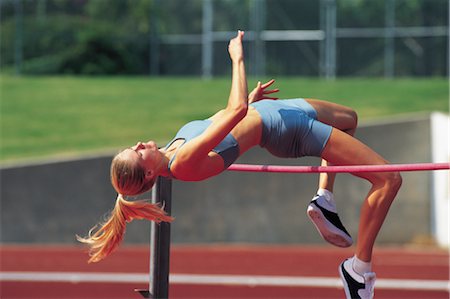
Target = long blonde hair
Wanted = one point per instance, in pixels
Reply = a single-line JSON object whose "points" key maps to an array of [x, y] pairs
{"points": [[127, 179]]}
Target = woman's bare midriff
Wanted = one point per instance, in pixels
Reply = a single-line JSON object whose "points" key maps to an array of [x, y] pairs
{"points": [[248, 131]]}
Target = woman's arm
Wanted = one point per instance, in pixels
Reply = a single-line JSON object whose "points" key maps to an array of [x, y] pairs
{"points": [[235, 111], [237, 101]]}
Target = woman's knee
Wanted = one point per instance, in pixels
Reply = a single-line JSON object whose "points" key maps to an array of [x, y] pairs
{"points": [[394, 180], [390, 182], [345, 118], [352, 117]]}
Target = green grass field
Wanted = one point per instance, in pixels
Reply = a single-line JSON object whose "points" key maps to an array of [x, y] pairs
{"points": [[48, 116]]}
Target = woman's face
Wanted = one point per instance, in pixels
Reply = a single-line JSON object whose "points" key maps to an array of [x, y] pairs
{"points": [[146, 154]]}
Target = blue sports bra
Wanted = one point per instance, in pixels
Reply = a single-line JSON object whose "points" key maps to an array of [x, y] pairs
{"points": [[228, 148]]}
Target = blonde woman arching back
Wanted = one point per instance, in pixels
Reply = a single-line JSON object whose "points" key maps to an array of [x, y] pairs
{"points": [[286, 128]]}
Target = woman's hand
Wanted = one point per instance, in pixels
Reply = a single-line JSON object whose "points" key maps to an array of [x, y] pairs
{"points": [[259, 92], [235, 48]]}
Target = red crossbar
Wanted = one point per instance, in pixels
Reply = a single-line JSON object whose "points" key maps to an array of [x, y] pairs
{"points": [[335, 169]]}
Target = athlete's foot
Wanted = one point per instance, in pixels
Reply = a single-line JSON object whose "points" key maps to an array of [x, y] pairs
{"points": [[322, 213], [356, 286]]}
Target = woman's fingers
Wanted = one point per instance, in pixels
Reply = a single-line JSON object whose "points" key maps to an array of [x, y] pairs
{"points": [[271, 91], [235, 48], [268, 83], [239, 36]]}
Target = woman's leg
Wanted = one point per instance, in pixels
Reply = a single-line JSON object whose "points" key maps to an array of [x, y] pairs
{"points": [[343, 149], [322, 210], [337, 116]]}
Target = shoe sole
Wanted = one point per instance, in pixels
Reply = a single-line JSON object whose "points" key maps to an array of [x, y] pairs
{"points": [[327, 230]]}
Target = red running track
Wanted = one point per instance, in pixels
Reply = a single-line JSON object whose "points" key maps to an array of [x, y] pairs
{"points": [[424, 265]]}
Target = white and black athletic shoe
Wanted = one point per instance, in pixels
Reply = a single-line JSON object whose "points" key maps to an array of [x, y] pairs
{"points": [[324, 216], [355, 285]]}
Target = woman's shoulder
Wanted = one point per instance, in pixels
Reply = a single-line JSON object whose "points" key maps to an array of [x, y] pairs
{"points": [[186, 169]]}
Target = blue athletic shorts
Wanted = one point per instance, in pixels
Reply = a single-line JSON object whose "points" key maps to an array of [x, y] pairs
{"points": [[291, 128]]}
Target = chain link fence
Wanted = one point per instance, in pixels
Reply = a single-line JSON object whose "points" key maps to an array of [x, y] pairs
{"points": [[325, 38]]}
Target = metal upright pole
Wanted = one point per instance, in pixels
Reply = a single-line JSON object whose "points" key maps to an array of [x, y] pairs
{"points": [[328, 46], [18, 41], [389, 45], [322, 46], [160, 244], [154, 39], [257, 21], [207, 39]]}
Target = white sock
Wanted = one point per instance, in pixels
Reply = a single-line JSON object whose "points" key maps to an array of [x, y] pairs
{"points": [[329, 203], [327, 194], [361, 267]]}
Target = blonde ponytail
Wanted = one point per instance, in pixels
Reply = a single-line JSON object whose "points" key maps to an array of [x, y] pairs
{"points": [[106, 239]]}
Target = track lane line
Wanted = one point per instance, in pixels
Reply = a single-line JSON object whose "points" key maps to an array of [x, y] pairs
{"points": [[215, 279]]}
